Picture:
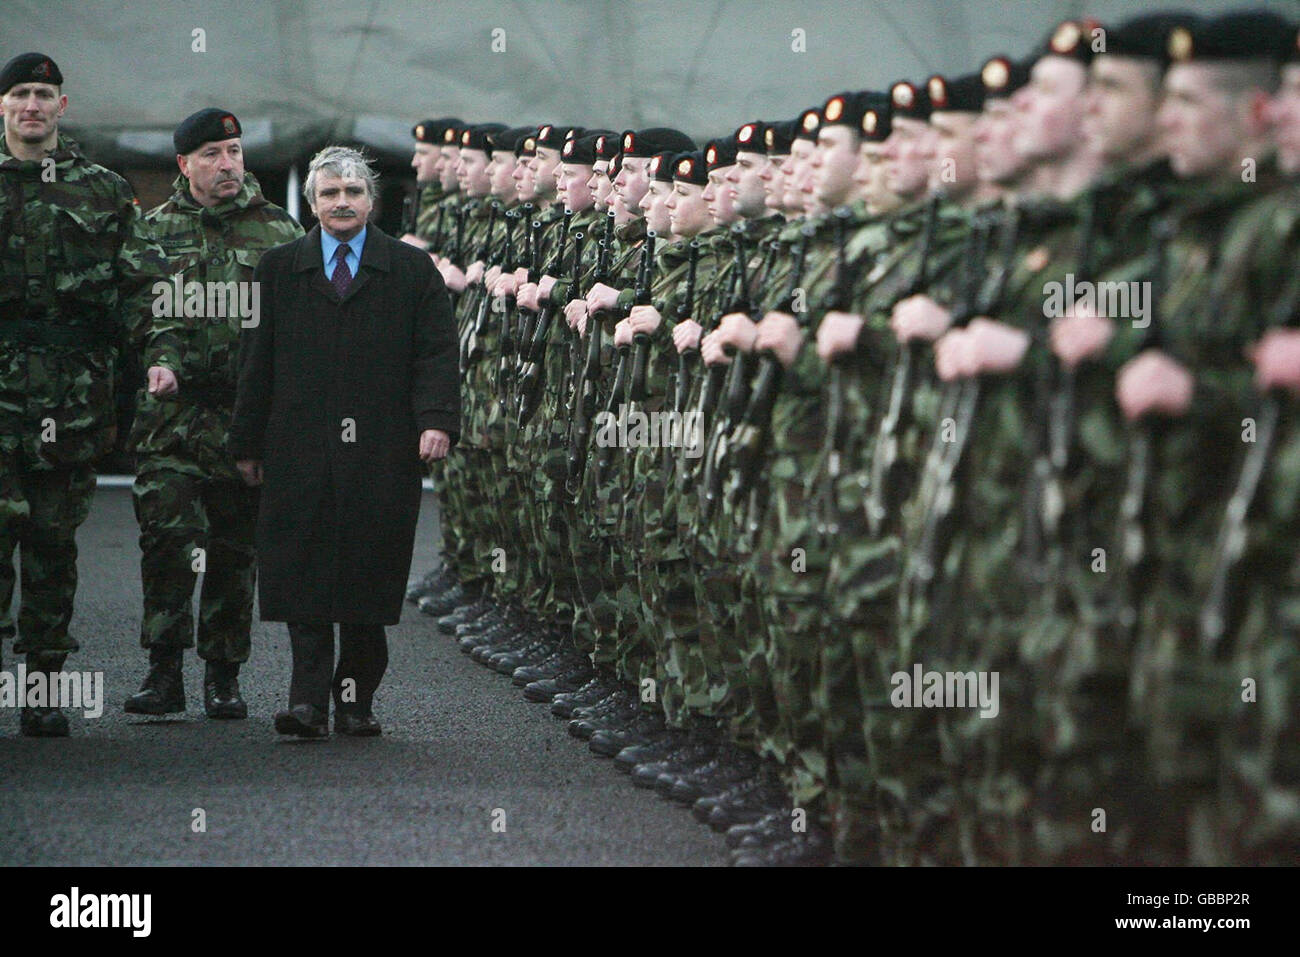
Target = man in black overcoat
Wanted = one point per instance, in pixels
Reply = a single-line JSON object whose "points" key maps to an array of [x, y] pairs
{"points": [[347, 382]]}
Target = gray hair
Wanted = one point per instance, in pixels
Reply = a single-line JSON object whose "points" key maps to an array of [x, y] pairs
{"points": [[343, 162]]}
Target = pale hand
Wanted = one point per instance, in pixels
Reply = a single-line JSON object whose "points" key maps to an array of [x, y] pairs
{"points": [[780, 333], [644, 319], [838, 334], [686, 335], [250, 470], [1277, 360], [1153, 382], [919, 317], [601, 296], [1080, 335], [162, 382], [738, 331], [434, 444]]}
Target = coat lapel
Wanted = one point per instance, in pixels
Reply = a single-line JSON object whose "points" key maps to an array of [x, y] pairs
{"points": [[375, 255]]}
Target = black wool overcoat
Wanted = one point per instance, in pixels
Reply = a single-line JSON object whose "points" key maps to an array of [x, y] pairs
{"points": [[333, 395]]}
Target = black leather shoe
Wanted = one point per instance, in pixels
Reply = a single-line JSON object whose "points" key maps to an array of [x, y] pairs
{"points": [[714, 778], [45, 721], [506, 662], [691, 755], [462, 614], [600, 686], [741, 803], [659, 749], [571, 680], [492, 618], [443, 602], [221, 698], [561, 661], [812, 849], [357, 725], [615, 717], [607, 742], [620, 697], [771, 827], [501, 637], [304, 720], [430, 583], [163, 690]]}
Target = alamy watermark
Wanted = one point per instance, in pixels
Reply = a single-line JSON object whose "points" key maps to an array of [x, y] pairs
{"points": [[630, 428], [208, 300], [1112, 300], [75, 690], [945, 689]]}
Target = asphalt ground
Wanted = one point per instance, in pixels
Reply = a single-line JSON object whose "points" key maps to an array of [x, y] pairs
{"points": [[462, 751]]}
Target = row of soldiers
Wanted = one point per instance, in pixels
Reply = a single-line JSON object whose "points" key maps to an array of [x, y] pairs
{"points": [[913, 481]]}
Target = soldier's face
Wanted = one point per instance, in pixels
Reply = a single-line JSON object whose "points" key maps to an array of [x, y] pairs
{"points": [[1201, 126], [546, 165], [32, 112], [342, 204], [523, 176], [656, 208], [872, 177], [1051, 109], [599, 183], [447, 171], [745, 179], [501, 171], [622, 214], [833, 162], [688, 210], [1120, 115], [720, 198], [1286, 120], [425, 163], [996, 157], [472, 173], [573, 186], [952, 168], [632, 181], [907, 152], [215, 171], [798, 182], [773, 176]]}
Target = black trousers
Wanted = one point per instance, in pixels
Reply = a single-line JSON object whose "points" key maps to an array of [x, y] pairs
{"points": [[363, 658]]}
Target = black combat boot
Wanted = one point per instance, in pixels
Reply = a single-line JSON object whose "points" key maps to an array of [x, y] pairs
{"points": [[221, 698], [163, 690], [427, 584], [48, 721]]}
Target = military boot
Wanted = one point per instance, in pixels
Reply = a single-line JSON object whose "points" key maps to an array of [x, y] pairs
{"points": [[855, 831], [548, 688], [666, 744], [601, 686], [46, 721], [163, 690], [470, 611], [221, 698], [440, 603], [429, 583]]}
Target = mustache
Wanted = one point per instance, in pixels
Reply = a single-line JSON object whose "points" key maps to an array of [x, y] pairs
{"points": [[344, 213]]}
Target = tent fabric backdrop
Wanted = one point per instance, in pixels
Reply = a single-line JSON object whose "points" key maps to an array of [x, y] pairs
{"points": [[301, 73]]}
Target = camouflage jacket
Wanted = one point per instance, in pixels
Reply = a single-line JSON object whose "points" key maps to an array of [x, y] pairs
{"points": [[75, 272], [194, 329]]}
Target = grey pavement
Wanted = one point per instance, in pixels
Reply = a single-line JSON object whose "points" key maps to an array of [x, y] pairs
{"points": [[460, 743]]}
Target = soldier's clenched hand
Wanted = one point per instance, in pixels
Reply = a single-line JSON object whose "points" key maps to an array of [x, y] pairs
{"points": [[250, 470], [686, 335], [623, 333], [1153, 382], [779, 332], [1079, 335], [453, 277], [736, 330], [575, 314], [712, 351], [601, 296], [162, 382], [995, 346], [526, 296], [838, 334], [644, 319], [1277, 360], [919, 317]]}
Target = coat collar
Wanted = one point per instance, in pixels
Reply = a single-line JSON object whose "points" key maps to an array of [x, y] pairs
{"points": [[375, 255]]}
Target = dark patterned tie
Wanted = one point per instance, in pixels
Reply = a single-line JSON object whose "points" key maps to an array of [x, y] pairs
{"points": [[342, 277]]}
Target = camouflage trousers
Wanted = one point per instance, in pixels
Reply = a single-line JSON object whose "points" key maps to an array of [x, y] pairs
{"points": [[8, 573], [688, 684], [554, 579], [179, 514], [40, 512]]}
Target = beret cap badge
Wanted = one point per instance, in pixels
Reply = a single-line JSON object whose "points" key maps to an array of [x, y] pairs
{"points": [[834, 109], [810, 122], [770, 138], [1066, 37], [1180, 44], [746, 133], [903, 95], [996, 74], [938, 90], [712, 155], [870, 120], [684, 167]]}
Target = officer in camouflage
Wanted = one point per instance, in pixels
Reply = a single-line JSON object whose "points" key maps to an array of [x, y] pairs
{"points": [[75, 273], [195, 513]]}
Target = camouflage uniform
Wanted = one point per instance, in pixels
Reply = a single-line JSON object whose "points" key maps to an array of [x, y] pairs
{"points": [[76, 265], [187, 492]]}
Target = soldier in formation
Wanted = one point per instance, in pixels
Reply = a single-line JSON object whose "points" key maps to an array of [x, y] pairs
{"points": [[910, 481]]}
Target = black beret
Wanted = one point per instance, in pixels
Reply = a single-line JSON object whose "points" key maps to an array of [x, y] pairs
{"points": [[608, 145], [779, 137], [435, 131], [615, 166], [877, 118], [909, 101], [29, 68], [1072, 39], [720, 153], [554, 137], [1246, 35], [657, 139], [581, 150], [1003, 76], [660, 167], [1146, 36], [963, 94], [205, 126], [527, 145], [691, 168], [508, 139], [476, 137], [845, 109], [751, 137], [810, 121]]}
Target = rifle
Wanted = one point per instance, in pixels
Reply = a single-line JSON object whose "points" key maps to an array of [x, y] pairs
{"points": [[885, 492], [585, 393], [1230, 543], [644, 269], [937, 494], [473, 350], [411, 211], [530, 378], [682, 386], [751, 439], [435, 245], [641, 340], [1133, 505], [509, 262], [834, 445]]}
